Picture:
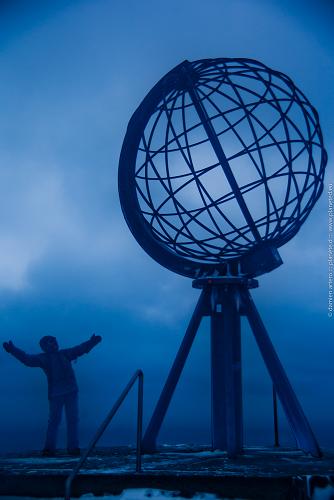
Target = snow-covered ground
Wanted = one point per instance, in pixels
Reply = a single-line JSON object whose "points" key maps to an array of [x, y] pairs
{"points": [[136, 494], [141, 494]]}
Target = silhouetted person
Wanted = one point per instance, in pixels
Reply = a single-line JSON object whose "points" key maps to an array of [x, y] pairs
{"points": [[62, 385]]}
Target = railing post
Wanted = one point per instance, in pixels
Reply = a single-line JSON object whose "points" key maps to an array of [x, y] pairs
{"points": [[138, 374], [139, 420], [275, 417]]}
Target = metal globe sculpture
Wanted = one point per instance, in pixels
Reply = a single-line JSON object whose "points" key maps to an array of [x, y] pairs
{"points": [[222, 163]]}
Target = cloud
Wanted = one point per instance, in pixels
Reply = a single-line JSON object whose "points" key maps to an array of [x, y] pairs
{"points": [[68, 262]]}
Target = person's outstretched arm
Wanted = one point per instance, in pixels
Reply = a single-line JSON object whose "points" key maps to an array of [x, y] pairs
{"points": [[27, 359], [84, 348]]}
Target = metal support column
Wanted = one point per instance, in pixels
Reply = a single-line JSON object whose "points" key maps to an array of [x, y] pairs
{"points": [[225, 299], [226, 386]]}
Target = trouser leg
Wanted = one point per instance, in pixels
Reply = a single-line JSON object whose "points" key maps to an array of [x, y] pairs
{"points": [[72, 419], [55, 412]]}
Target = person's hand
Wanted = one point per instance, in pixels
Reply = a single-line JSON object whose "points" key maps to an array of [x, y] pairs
{"points": [[96, 338], [8, 346]]}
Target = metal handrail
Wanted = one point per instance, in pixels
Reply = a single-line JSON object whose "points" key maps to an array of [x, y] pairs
{"points": [[138, 374]]}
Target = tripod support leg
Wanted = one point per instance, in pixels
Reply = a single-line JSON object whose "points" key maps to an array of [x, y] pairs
{"points": [[295, 415], [151, 434]]}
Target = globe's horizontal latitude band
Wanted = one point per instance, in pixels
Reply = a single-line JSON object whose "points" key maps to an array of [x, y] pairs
{"points": [[248, 251]]}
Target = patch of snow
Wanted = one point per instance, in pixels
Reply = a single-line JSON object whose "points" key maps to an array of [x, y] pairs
{"points": [[323, 493]]}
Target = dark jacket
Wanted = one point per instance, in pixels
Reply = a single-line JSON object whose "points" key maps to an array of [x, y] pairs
{"points": [[57, 366]]}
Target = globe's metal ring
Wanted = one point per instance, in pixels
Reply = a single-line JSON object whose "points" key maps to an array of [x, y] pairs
{"points": [[184, 76]]}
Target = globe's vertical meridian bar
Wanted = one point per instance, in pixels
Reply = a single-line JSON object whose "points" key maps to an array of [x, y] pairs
{"points": [[206, 122]]}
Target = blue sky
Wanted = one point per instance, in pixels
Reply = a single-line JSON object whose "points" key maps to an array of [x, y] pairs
{"points": [[71, 77]]}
